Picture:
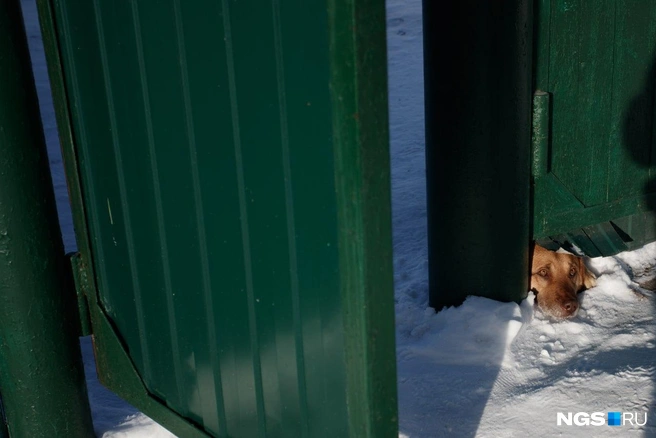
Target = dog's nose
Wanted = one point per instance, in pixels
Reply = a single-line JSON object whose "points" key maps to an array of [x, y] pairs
{"points": [[571, 307]]}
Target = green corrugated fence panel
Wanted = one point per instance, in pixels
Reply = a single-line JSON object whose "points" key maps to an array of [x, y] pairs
{"points": [[597, 62], [214, 161]]}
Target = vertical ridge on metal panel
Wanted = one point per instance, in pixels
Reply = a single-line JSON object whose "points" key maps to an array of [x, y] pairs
{"points": [[210, 395], [120, 214], [296, 317], [255, 373], [154, 180], [362, 172]]}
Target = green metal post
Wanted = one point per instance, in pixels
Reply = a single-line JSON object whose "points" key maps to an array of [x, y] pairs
{"points": [[41, 372], [477, 60]]}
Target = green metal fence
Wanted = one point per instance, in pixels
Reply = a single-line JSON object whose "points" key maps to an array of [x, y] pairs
{"points": [[595, 62], [229, 174], [582, 174]]}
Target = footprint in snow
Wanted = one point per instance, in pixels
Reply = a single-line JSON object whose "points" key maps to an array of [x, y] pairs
{"points": [[393, 22]]}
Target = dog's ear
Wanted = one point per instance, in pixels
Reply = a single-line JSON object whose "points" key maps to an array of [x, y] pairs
{"points": [[589, 280]]}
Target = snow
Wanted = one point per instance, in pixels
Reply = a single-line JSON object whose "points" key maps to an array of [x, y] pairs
{"points": [[112, 416], [485, 368], [502, 370]]}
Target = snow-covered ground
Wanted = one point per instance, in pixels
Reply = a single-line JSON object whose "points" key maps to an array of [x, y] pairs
{"points": [[486, 368]]}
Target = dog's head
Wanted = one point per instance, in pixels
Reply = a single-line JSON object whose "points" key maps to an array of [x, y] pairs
{"points": [[556, 279]]}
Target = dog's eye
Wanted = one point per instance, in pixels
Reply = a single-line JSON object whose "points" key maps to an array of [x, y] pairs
{"points": [[543, 272], [572, 272]]}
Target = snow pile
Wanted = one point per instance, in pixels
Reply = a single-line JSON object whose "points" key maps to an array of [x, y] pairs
{"points": [[112, 416], [500, 370]]}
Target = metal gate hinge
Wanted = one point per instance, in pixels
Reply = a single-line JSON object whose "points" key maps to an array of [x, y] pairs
{"points": [[540, 134], [82, 290]]}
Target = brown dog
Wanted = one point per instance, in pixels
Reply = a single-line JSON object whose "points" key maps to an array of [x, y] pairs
{"points": [[556, 279]]}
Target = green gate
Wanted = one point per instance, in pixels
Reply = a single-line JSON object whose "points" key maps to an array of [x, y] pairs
{"points": [[230, 180], [584, 171], [594, 164]]}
